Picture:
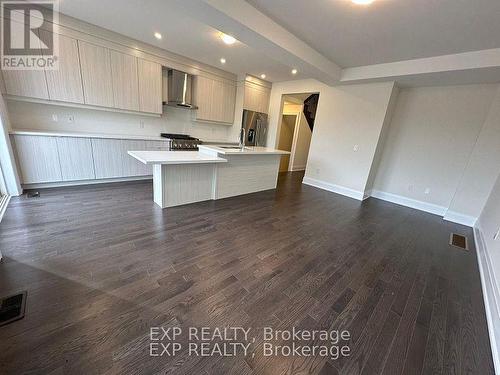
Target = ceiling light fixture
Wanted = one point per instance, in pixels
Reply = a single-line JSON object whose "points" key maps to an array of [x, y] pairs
{"points": [[294, 71], [263, 76], [228, 39], [158, 35], [222, 60], [362, 2]]}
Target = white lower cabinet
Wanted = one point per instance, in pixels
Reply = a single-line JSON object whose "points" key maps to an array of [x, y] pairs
{"points": [[75, 157], [38, 159], [111, 159], [51, 159]]}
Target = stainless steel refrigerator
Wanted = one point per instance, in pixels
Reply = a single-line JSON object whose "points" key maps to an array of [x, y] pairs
{"points": [[255, 125]]}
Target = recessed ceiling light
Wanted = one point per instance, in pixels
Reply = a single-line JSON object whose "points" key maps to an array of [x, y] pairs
{"points": [[157, 35], [263, 76], [363, 2], [294, 71], [228, 39], [222, 60]]}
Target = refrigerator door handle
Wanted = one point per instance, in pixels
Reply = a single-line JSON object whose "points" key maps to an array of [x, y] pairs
{"points": [[257, 134]]}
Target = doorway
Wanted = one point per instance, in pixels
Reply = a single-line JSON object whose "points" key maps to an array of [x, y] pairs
{"points": [[288, 123], [295, 131]]}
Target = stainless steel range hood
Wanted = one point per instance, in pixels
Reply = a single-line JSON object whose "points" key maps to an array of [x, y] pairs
{"points": [[179, 89]]}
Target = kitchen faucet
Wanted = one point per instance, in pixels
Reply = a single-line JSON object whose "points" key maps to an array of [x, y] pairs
{"points": [[242, 139]]}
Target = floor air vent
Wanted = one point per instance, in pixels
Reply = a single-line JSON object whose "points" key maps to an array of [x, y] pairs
{"points": [[12, 308], [460, 241]]}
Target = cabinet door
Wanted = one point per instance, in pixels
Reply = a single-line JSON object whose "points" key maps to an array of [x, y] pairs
{"points": [[264, 98], [204, 91], [108, 158], [131, 166], [229, 102], [28, 83], [256, 98], [150, 84], [37, 158], [157, 145], [75, 158], [65, 83], [218, 101], [96, 74], [125, 83], [2, 84]]}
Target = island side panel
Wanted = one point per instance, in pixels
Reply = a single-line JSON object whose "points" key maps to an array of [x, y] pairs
{"points": [[243, 174], [175, 185]]}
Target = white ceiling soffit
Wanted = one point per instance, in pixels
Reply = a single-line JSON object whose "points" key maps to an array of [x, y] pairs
{"points": [[479, 65], [250, 26]]}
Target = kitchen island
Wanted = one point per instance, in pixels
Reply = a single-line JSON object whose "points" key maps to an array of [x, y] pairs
{"points": [[212, 172]]}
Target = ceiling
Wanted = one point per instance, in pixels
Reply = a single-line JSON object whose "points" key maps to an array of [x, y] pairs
{"points": [[388, 30], [315, 36], [181, 33]]}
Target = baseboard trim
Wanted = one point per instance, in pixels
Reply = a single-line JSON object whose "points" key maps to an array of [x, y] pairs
{"points": [[491, 296], [299, 168], [408, 202], [351, 193], [4, 201], [84, 182], [459, 218]]}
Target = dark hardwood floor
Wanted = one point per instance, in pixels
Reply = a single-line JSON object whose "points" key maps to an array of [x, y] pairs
{"points": [[103, 264]]}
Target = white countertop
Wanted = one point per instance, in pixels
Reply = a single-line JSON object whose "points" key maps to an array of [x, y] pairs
{"points": [[175, 157], [50, 133], [249, 150]]}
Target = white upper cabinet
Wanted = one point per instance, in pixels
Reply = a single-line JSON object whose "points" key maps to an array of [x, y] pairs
{"points": [[150, 86], [125, 82], [96, 74], [256, 97], [65, 83], [204, 92], [28, 83], [215, 100]]}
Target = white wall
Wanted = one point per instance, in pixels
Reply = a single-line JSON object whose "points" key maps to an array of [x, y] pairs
{"points": [[302, 144], [34, 116], [7, 161], [489, 260], [482, 169], [346, 116], [431, 137]]}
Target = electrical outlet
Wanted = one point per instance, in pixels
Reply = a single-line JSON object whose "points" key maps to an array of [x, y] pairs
{"points": [[355, 148], [497, 235], [427, 191], [141, 124], [317, 170], [71, 119], [410, 187], [55, 118]]}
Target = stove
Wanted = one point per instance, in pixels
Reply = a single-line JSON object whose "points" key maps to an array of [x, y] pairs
{"points": [[181, 142]]}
